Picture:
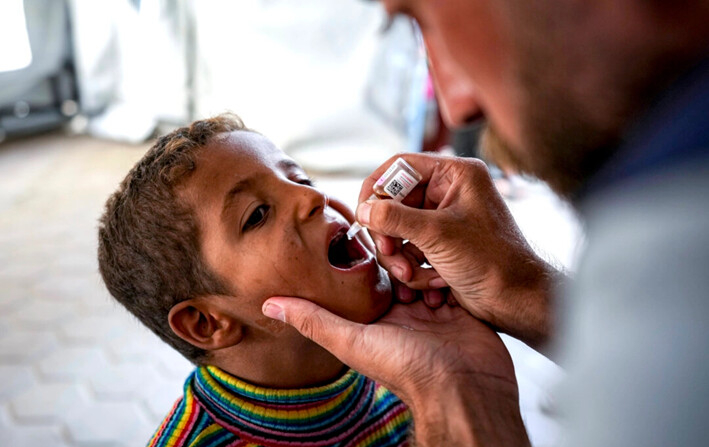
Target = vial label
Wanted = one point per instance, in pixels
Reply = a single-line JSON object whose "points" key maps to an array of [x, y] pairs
{"points": [[394, 187], [400, 186], [397, 182], [394, 166]]}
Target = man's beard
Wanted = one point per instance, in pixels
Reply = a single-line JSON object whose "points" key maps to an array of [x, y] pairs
{"points": [[576, 105], [563, 156], [562, 144]]}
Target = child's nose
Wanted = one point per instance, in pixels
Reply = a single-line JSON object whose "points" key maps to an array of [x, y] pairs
{"points": [[310, 202]]}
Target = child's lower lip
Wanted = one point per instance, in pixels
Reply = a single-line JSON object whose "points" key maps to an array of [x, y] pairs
{"points": [[364, 265]]}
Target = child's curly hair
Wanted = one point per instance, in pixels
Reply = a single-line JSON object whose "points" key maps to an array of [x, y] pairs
{"points": [[148, 252]]}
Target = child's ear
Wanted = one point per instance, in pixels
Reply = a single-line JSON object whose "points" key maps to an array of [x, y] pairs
{"points": [[202, 322]]}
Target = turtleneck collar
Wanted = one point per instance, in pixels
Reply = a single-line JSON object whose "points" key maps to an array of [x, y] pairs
{"points": [[317, 416]]}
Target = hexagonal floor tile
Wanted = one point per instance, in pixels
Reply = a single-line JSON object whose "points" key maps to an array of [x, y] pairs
{"points": [[91, 329], [123, 381], [23, 271], [33, 436], [15, 379], [22, 346], [172, 363], [12, 296], [43, 314], [70, 263], [106, 422], [98, 302], [8, 325], [160, 398], [47, 403], [16, 434], [136, 343], [72, 363], [63, 287]]}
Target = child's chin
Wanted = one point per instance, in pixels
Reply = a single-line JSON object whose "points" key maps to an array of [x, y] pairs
{"points": [[371, 304], [381, 300]]}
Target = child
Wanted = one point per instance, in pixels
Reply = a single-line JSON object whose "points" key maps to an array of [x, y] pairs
{"points": [[211, 222]]}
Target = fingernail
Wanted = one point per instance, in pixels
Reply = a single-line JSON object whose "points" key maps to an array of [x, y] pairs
{"points": [[436, 298], [404, 294], [363, 211], [398, 272], [437, 283], [378, 243], [274, 311]]}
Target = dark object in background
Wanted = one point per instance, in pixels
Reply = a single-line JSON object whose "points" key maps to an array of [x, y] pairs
{"points": [[44, 95], [436, 134], [466, 143], [465, 140]]}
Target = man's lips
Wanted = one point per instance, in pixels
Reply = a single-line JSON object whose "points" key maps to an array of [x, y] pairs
{"points": [[344, 254]]}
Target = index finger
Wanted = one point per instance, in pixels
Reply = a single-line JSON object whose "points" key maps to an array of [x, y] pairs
{"points": [[330, 331]]}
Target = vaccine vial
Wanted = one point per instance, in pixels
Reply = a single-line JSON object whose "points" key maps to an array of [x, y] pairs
{"points": [[396, 183]]}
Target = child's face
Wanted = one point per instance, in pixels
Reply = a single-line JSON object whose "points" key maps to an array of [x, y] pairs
{"points": [[267, 232]]}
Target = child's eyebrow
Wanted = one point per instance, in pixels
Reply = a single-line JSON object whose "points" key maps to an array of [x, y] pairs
{"points": [[237, 188], [289, 164]]}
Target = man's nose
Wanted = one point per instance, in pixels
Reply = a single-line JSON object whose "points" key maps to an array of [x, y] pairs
{"points": [[310, 202], [455, 91]]}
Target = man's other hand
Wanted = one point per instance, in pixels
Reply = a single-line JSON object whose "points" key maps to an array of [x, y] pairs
{"points": [[452, 370]]}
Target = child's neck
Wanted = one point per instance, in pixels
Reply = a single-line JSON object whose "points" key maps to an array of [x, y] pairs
{"points": [[301, 364]]}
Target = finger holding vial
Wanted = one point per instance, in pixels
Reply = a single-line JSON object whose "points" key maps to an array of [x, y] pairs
{"points": [[396, 183], [405, 262], [399, 179], [429, 192]]}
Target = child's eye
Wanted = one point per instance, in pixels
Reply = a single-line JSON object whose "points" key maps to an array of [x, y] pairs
{"points": [[256, 218], [305, 181]]}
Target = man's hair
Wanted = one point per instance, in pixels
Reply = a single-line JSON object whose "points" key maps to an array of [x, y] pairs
{"points": [[149, 252]]}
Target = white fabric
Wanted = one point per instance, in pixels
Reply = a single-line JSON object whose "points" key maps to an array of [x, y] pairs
{"points": [[15, 53], [637, 348], [130, 64]]}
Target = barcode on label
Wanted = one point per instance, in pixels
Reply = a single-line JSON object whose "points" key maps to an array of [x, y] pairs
{"points": [[394, 188]]}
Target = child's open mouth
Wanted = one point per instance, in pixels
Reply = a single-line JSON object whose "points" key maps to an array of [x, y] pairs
{"points": [[344, 253]]}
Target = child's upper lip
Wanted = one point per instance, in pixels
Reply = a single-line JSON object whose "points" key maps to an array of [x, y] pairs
{"points": [[335, 228]]}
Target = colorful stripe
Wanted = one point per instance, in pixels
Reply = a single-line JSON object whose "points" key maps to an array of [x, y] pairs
{"points": [[221, 410], [272, 395]]}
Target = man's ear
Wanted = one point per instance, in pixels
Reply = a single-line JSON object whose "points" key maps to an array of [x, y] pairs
{"points": [[202, 322]]}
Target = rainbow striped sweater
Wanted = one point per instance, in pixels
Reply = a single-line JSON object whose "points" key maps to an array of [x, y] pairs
{"points": [[218, 409]]}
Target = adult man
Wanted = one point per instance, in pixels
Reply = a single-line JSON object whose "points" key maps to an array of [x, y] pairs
{"points": [[608, 101]]}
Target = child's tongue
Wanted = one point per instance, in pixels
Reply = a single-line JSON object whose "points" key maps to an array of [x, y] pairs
{"points": [[344, 253]]}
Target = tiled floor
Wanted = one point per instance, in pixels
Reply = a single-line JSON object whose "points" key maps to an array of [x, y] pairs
{"points": [[75, 368]]}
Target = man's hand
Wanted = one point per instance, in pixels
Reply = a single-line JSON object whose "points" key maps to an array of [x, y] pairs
{"points": [[452, 370], [456, 221]]}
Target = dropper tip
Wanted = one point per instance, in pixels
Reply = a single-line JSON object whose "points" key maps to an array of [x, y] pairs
{"points": [[354, 229]]}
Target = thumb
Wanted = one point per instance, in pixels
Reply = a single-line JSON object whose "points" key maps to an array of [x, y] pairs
{"points": [[395, 219], [333, 333]]}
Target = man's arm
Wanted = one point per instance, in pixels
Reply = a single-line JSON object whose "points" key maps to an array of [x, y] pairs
{"points": [[454, 413]]}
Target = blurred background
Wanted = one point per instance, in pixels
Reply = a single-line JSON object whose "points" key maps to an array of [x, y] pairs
{"points": [[85, 87]]}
